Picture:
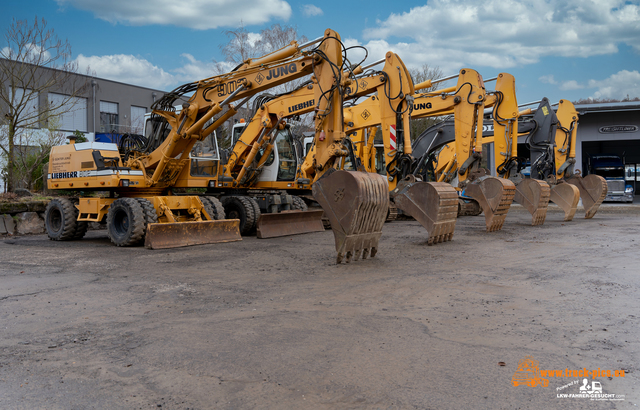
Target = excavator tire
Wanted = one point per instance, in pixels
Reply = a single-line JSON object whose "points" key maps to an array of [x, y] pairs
{"points": [[217, 208], [242, 208], [299, 204], [126, 222], [494, 196], [433, 204], [593, 190], [533, 194], [61, 220], [566, 196], [81, 226], [356, 203]]}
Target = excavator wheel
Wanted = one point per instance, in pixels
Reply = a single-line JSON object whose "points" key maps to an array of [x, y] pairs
{"points": [[593, 190], [566, 196], [494, 196], [126, 222], [242, 208], [433, 204], [299, 204], [534, 194], [356, 203], [150, 214], [214, 207], [60, 219]]}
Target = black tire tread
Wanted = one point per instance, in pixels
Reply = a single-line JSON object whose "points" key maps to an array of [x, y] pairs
{"points": [[69, 214], [136, 220], [249, 222], [216, 206], [299, 204]]}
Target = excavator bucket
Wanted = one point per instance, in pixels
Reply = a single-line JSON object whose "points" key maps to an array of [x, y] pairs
{"points": [[433, 204], [494, 196], [593, 190], [178, 234], [566, 196], [289, 223], [356, 204], [534, 194]]}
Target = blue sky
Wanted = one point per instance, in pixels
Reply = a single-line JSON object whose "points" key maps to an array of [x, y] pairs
{"points": [[568, 49]]}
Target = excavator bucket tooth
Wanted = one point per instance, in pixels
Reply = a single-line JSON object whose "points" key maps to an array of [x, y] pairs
{"points": [[494, 196], [433, 204], [289, 223], [566, 196], [534, 194], [356, 203], [593, 190], [175, 235]]}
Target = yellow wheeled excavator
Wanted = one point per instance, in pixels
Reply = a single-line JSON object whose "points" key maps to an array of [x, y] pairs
{"points": [[139, 177]]}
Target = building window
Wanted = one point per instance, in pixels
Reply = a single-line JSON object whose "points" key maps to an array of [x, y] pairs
{"points": [[109, 117], [28, 101], [73, 112], [137, 119]]}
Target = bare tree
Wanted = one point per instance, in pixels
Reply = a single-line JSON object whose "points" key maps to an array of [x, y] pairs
{"points": [[244, 45], [418, 75], [33, 63]]}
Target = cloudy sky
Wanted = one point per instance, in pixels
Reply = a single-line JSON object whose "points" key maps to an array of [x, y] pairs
{"points": [[555, 48]]}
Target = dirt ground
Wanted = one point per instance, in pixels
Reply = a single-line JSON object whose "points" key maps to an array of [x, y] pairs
{"points": [[276, 324]]}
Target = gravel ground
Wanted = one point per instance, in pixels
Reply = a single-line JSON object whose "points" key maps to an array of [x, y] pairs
{"points": [[276, 324]]}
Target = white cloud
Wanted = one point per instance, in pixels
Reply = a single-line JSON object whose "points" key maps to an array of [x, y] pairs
{"points": [[196, 14], [508, 33], [620, 85], [571, 85], [127, 69], [29, 53], [547, 79], [310, 10], [136, 70]]}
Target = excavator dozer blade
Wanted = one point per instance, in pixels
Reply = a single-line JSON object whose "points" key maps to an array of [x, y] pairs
{"points": [[433, 204], [356, 204], [593, 190], [566, 196], [289, 223], [177, 234], [534, 194], [494, 196]]}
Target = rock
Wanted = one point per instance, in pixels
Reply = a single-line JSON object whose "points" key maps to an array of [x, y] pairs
{"points": [[22, 192], [29, 222], [7, 225]]}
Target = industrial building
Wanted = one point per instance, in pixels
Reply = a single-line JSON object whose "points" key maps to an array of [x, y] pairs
{"points": [[105, 107]]}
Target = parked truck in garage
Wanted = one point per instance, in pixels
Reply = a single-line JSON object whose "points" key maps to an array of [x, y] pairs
{"points": [[611, 168]]}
